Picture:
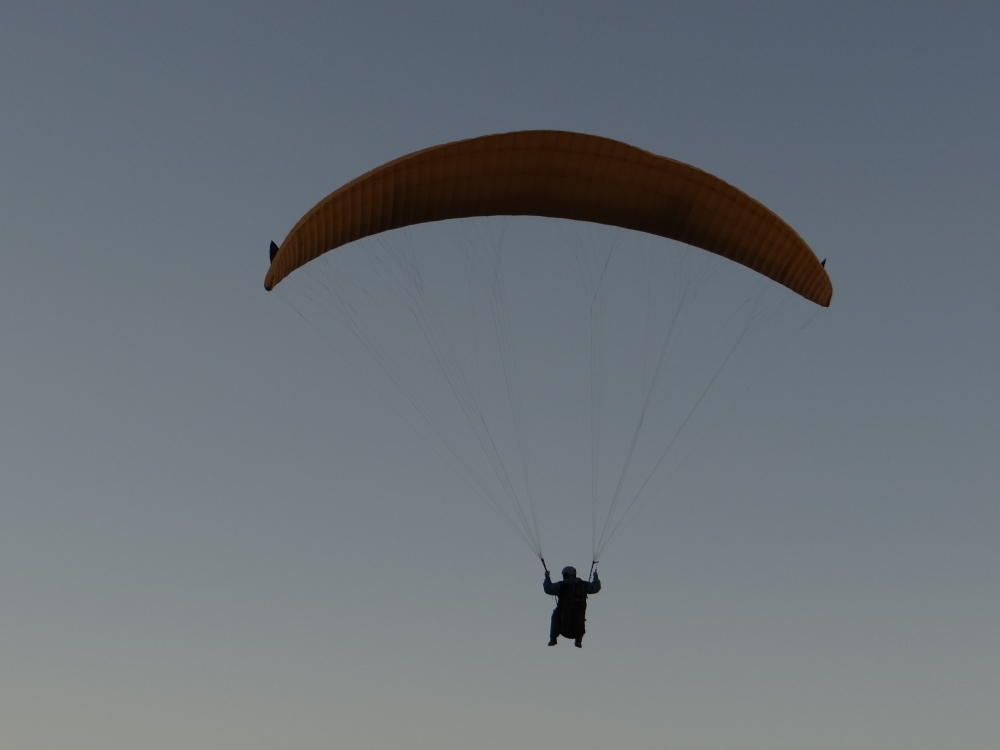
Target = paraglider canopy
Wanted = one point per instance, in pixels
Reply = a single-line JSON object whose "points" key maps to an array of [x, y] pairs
{"points": [[563, 175]]}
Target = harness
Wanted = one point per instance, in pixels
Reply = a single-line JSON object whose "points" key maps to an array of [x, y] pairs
{"points": [[572, 608]]}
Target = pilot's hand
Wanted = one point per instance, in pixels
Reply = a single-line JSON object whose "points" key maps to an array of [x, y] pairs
{"points": [[547, 574]]}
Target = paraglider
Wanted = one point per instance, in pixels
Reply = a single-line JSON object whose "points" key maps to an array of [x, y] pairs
{"points": [[569, 618], [554, 175]]}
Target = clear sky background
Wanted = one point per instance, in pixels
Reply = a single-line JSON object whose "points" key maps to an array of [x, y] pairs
{"points": [[213, 534]]}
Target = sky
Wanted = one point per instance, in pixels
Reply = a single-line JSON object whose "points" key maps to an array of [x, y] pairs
{"points": [[215, 534]]}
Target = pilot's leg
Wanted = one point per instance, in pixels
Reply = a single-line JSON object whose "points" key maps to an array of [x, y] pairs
{"points": [[554, 627]]}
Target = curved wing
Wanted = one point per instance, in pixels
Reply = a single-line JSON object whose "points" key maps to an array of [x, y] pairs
{"points": [[560, 175]]}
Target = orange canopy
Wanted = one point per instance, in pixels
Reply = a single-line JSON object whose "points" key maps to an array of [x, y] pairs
{"points": [[560, 175]]}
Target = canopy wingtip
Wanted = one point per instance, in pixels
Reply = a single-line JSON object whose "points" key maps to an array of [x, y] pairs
{"points": [[269, 279]]}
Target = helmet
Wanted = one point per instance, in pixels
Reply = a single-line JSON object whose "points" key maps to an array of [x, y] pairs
{"points": [[569, 572]]}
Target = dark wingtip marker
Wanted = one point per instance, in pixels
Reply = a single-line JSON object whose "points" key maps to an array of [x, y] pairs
{"points": [[822, 262], [274, 250]]}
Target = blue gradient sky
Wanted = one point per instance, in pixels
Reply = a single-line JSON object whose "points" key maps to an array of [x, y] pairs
{"points": [[213, 534]]}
